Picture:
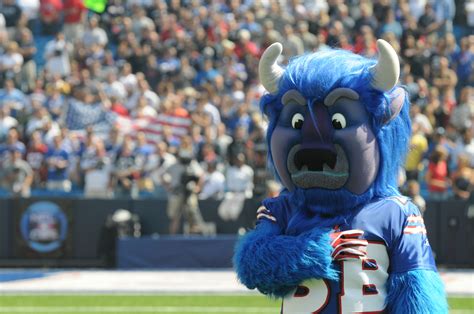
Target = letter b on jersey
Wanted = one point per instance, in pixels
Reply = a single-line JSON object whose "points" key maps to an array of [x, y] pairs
{"points": [[362, 287]]}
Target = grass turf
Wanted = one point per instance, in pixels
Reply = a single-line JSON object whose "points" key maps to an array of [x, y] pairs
{"points": [[128, 304]]}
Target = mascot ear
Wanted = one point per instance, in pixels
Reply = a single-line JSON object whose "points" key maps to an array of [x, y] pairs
{"points": [[397, 99]]}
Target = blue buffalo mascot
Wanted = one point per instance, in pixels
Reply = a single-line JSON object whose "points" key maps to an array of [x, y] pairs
{"points": [[340, 238]]}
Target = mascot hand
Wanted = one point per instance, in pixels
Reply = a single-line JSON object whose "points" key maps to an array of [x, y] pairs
{"points": [[264, 213], [348, 246]]}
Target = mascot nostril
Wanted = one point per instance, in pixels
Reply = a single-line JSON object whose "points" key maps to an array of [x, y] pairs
{"points": [[339, 238], [313, 159]]}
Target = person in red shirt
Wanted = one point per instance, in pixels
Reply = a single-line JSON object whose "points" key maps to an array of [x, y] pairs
{"points": [[35, 156], [74, 17], [245, 46], [50, 16], [437, 174]]}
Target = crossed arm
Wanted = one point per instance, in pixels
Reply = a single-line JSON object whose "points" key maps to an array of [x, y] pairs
{"points": [[275, 264]]}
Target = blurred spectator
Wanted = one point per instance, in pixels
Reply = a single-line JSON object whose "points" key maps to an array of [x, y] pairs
{"points": [[94, 34], [56, 54], [181, 182], [427, 21], [16, 174], [463, 63], [143, 91], [30, 11], [310, 41], [245, 47], [413, 192], [27, 48], [143, 109], [437, 174], [445, 79], [74, 16], [6, 122], [417, 149], [126, 171], [391, 25], [50, 16], [11, 62], [223, 140], [445, 10], [11, 11], [239, 186], [465, 145], [12, 143], [212, 183], [292, 42], [57, 160], [261, 173], [113, 143], [366, 18], [463, 179], [13, 97], [36, 157], [239, 178], [464, 111], [160, 162], [38, 121], [143, 152], [3, 29], [97, 172], [273, 188], [238, 145]]}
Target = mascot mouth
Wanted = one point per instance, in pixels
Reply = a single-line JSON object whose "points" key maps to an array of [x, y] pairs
{"points": [[318, 167]]}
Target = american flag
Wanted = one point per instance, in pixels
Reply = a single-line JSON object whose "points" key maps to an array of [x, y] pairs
{"points": [[79, 116], [153, 127]]}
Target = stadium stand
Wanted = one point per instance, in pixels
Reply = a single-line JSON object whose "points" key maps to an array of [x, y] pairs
{"points": [[148, 95]]}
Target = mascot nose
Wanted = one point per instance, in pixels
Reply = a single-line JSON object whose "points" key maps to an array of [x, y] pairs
{"points": [[317, 129]]}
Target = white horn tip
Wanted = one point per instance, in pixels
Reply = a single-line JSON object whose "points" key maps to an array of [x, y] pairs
{"points": [[274, 49], [268, 69], [387, 70]]}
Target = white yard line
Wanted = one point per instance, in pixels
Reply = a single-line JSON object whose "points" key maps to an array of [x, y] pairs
{"points": [[150, 309], [135, 309], [222, 282]]}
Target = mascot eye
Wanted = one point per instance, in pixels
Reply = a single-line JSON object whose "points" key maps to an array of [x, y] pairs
{"points": [[338, 121], [297, 121]]}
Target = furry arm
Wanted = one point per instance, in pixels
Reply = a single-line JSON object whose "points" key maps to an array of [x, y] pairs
{"points": [[275, 264], [416, 292]]}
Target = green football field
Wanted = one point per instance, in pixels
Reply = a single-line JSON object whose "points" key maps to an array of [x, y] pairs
{"points": [[127, 304]]}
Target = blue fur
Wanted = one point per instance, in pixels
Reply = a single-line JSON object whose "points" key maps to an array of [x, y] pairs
{"points": [[275, 264], [274, 259], [416, 292], [314, 76]]}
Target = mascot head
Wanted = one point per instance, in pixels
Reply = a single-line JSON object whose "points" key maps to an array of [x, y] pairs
{"points": [[339, 125]]}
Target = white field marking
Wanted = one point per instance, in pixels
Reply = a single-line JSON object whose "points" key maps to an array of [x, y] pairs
{"points": [[136, 309], [151, 309]]}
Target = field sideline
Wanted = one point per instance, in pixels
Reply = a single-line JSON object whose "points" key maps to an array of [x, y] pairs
{"points": [[128, 304], [167, 291]]}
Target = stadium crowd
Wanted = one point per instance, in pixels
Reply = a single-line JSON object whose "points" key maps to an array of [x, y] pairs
{"points": [[161, 97]]}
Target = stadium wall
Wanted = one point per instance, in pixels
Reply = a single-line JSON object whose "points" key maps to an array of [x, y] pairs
{"points": [[450, 224]]}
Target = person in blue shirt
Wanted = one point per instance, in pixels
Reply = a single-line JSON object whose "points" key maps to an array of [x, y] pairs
{"points": [[57, 161], [12, 96], [12, 143]]}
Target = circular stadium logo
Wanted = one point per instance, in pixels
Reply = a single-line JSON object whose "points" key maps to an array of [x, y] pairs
{"points": [[43, 226]]}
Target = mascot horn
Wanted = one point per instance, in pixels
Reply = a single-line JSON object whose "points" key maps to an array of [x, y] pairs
{"points": [[339, 238]]}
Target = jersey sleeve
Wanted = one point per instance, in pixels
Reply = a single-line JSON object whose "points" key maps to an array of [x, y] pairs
{"points": [[410, 248]]}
